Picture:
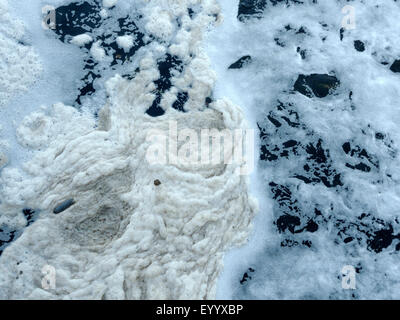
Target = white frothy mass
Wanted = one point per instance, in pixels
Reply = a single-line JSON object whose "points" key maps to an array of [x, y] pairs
{"points": [[81, 40], [19, 63], [126, 237], [125, 42]]}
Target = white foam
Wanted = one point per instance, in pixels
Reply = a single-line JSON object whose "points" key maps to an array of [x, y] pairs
{"points": [[20, 66], [97, 51], [109, 3], [125, 237], [103, 13], [301, 273], [81, 40], [159, 23], [61, 65], [125, 42]]}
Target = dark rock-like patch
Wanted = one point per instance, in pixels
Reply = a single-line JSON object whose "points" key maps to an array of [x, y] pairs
{"points": [[381, 239], [359, 45], [63, 206], [395, 67], [240, 63], [249, 8], [319, 85], [247, 276]]}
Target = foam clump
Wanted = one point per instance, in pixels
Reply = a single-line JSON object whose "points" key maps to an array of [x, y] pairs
{"points": [[20, 65], [160, 24], [39, 128], [125, 42], [81, 40], [109, 3], [117, 233], [97, 51], [326, 110]]}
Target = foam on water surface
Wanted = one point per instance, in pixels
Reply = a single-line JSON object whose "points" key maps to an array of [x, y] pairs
{"points": [[74, 140], [326, 110], [110, 230]]}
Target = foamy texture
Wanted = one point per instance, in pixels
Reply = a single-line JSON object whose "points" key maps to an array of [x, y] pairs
{"points": [[97, 51], [125, 237], [300, 272], [19, 64], [125, 42], [81, 40], [109, 3]]}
